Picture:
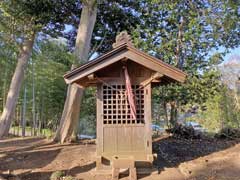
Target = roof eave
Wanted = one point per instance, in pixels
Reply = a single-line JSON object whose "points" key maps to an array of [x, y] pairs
{"points": [[96, 60], [181, 76]]}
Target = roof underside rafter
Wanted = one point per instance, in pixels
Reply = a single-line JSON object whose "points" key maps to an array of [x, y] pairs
{"points": [[125, 52]]}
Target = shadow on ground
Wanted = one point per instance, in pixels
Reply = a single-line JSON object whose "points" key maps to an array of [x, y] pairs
{"points": [[46, 175], [32, 155], [171, 152], [31, 158]]}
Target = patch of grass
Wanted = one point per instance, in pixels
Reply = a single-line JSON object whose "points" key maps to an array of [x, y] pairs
{"points": [[69, 178], [48, 133], [57, 175]]}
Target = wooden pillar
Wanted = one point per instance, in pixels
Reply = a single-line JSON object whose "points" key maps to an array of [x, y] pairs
{"points": [[133, 173], [99, 127], [115, 173], [148, 121]]}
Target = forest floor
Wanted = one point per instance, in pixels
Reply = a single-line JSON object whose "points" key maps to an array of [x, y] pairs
{"points": [[178, 159]]}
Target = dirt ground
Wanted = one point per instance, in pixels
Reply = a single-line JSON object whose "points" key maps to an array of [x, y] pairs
{"points": [[178, 159]]}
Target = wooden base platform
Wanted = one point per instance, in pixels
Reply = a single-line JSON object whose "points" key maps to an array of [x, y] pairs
{"points": [[140, 171]]}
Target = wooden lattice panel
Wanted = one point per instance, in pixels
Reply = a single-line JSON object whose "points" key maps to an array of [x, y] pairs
{"points": [[116, 110]]}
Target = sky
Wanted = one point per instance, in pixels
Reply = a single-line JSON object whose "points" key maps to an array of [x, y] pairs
{"points": [[233, 52]]}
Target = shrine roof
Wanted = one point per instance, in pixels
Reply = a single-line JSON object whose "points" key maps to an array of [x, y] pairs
{"points": [[123, 50]]}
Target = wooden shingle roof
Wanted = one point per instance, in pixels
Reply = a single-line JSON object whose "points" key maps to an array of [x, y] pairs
{"points": [[124, 50]]}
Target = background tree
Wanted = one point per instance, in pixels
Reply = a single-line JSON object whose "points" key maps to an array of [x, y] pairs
{"points": [[20, 22], [108, 23], [183, 33], [70, 115], [51, 59]]}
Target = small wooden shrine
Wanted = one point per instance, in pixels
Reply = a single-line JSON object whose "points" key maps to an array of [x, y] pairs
{"points": [[122, 131]]}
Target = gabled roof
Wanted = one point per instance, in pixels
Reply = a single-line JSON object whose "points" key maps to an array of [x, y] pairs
{"points": [[125, 51]]}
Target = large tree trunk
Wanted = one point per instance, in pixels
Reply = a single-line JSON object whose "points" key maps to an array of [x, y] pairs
{"points": [[5, 85], [23, 114], [13, 93], [71, 111]]}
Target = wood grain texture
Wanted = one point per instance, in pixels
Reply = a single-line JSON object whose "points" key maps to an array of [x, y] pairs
{"points": [[126, 52]]}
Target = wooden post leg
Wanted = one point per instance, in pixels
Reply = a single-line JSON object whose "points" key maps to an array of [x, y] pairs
{"points": [[133, 173], [98, 162], [115, 173]]}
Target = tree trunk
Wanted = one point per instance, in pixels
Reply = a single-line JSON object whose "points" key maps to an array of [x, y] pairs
{"points": [[173, 113], [166, 114], [71, 111], [39, 123], [42, 113], [18, 119], [13, 93], [23, 116], [5, 85], [33, 101]]}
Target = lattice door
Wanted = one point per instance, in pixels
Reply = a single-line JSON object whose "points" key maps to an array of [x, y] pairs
{"points": [[116, 110]]}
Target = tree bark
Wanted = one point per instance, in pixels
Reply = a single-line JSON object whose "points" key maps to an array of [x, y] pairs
{"points": [[5, 85], [23, 116], [71, 111], [33, 101], [13, 93], [166, 114], [173, 113]]}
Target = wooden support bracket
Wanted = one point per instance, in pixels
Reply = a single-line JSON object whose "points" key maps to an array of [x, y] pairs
{"points": [[155, 77], [123, 163], [91, 76]]}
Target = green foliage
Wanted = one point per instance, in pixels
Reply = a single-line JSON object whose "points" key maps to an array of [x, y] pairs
{"points": [[230, 111], [211, 117], [196, 91], [112, 18], [220, 112], [199, 89], [57, 175], [88, 113], [183, 34], [8, 61], [69, 178], [50, 62], [46, 132], [24, 16]]}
